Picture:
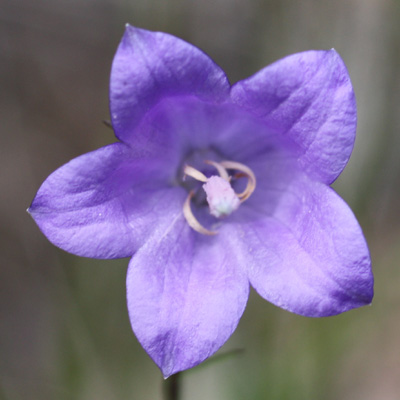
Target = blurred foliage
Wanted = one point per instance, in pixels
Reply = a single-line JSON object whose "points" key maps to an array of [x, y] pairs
{"points": [[64, 327]]}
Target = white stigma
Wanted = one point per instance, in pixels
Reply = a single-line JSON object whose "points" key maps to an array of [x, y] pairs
{"points": [[221, 198]]}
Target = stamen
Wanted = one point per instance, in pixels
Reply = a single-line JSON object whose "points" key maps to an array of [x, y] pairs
{"points": [[223, 173], [248, 173], [194, 173], [191, 219]]}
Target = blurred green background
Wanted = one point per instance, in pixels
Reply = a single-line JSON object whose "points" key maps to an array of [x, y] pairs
{"points": [[64, 328]]}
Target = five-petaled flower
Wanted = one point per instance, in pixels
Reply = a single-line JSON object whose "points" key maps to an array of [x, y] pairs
{"points": [[212, 188]]}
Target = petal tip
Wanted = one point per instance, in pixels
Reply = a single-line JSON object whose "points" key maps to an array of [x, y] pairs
{"points": [[169, 368], [31, 210], [370, 297], [166, 374], [131, 34]]}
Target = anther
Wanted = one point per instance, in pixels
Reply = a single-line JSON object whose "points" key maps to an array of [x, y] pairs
{"points": [[191, 219], [248, 173], [194, 173]]}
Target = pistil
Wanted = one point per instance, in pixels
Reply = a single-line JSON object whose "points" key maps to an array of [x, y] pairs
{"points": [[221, 197]]}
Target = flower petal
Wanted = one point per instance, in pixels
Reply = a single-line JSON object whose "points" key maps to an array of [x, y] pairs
{"points": [[307, 97], [105, 204], [187, 125], [149, 66], [309, 256], [186, 294]]}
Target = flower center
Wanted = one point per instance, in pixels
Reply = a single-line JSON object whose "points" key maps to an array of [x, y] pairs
{"points": [[221, 198]]}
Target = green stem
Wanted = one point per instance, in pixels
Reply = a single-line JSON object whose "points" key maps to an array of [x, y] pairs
{"points": [[172, 391]]}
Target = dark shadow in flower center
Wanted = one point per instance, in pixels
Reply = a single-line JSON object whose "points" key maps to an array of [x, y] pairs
{"points": [[196, 158]]}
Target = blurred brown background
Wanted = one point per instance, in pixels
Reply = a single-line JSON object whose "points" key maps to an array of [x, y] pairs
{"points": [[64, 329]]}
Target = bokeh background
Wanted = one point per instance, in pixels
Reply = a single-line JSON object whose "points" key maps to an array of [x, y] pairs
{"points": [[64, 329]]}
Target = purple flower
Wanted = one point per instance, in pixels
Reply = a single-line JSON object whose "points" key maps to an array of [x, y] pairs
{"points": [[212, 188]]}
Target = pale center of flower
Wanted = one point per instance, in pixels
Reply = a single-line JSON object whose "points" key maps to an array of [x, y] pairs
{"points": [[221, 198]]}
